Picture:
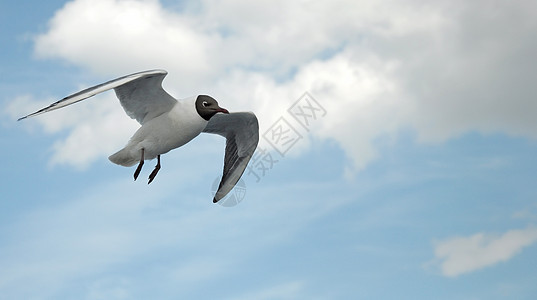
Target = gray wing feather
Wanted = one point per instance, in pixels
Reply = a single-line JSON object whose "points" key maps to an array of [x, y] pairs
{"points": [[140, 94], [144, 98], [241, 131]]}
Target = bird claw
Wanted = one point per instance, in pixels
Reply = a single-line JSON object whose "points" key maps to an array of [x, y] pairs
{"points": [[138, 169], [155, 171], [153, 174]]}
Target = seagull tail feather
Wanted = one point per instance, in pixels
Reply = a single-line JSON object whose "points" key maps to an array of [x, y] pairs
{"points": [[123, 158]]}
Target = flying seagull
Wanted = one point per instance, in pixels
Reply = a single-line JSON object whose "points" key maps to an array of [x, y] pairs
{"points": [[168, 123]]}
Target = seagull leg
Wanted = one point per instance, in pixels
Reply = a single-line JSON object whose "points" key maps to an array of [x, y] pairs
{"points": [[139, 168], [155, 171]]}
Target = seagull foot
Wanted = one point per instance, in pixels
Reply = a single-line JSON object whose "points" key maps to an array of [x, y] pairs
{"points": [[155, 171], [153, 174], [138, 169]]}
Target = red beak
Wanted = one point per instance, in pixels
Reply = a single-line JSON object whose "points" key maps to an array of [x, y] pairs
{"points": [[222, 110]]}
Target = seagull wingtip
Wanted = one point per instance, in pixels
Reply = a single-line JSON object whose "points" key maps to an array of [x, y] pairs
{"points": [[28, 116]]}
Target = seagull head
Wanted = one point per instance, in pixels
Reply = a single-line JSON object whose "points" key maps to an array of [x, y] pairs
{"points": [[207, 107]]}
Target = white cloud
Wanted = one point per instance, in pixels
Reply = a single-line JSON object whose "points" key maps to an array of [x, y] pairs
{"points": [[96, 128], [108, 36], [102, 130], [378, 67], [461, 255]]}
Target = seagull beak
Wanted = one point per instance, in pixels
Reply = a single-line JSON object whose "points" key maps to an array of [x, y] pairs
{"points": [[222, 110]]}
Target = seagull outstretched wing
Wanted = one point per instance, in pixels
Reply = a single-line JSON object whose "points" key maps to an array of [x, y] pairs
{"points": [[241, 131], [141, 95]]}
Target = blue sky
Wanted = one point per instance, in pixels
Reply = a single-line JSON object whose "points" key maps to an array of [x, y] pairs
{"points": [[417, 183]]}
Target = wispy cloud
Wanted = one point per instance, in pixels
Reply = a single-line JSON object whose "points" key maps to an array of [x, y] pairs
{"points": [[288, 290], [459, 255], [188, 240], [529, 213]]}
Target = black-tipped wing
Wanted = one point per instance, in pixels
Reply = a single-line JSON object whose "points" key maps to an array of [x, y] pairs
{"points": [[140, 94], [241, 131]]}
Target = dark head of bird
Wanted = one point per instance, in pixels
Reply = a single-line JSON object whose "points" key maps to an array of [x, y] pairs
{"points": [[208, 107]]}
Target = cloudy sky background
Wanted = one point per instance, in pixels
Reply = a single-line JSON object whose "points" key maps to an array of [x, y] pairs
{"points": [[419, 182]]}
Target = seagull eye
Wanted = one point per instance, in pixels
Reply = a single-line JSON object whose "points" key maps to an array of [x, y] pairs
{"points": [[205, 103]]}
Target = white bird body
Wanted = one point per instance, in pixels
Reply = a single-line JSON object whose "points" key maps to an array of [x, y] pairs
{"points": [[163, 133]]}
